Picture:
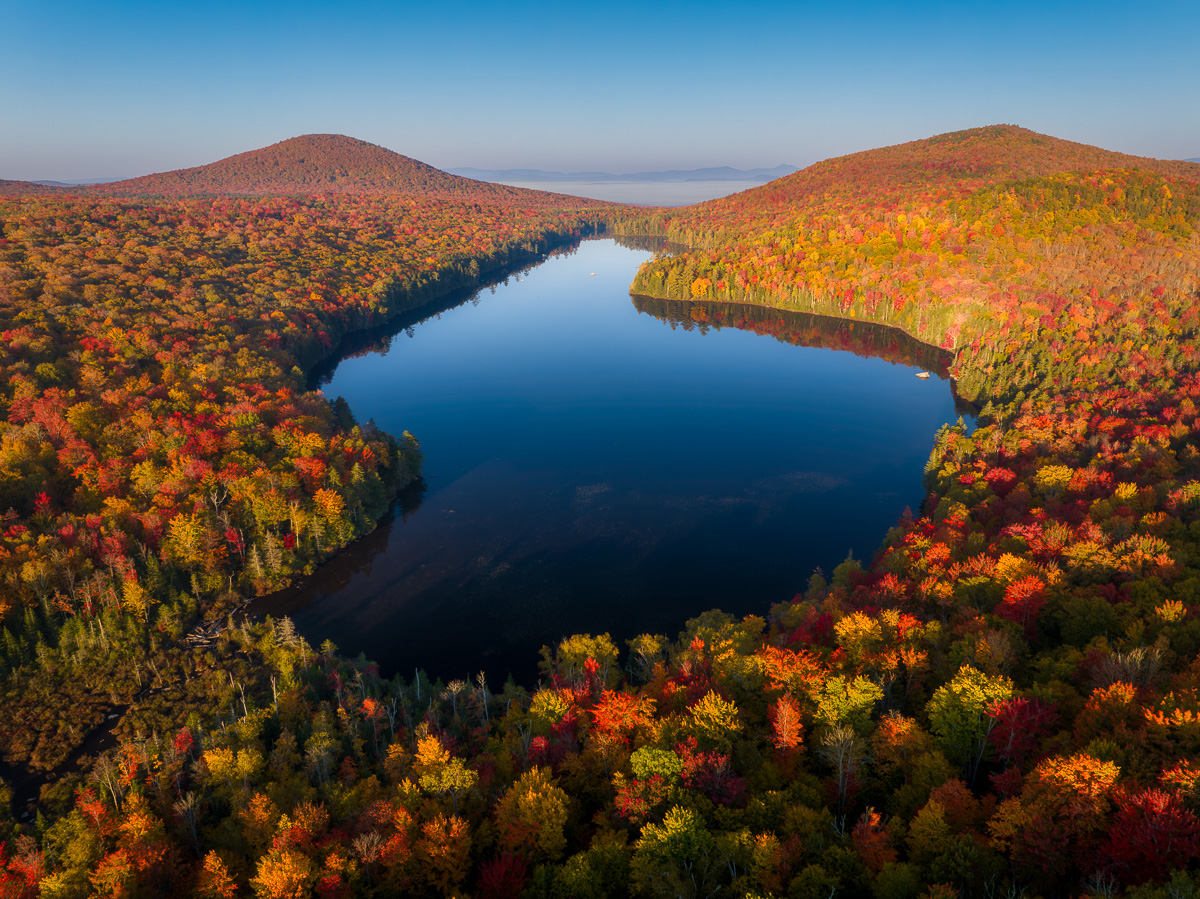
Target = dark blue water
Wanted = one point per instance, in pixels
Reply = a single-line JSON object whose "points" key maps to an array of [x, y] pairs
{"points": [[593, 467]]}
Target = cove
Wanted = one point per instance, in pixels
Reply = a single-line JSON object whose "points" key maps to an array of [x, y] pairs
{"points": [[600, 463]]}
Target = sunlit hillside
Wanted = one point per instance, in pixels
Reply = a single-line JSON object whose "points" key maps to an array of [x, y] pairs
{"points": [[997, 243], [327, 164]]}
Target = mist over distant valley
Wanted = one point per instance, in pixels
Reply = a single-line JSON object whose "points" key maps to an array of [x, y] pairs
{"points": [[673, 187]]}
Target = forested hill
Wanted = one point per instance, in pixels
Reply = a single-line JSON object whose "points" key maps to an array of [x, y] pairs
{"points": [[324, 164], [24, 188], [1033, 259], [952, 163]]}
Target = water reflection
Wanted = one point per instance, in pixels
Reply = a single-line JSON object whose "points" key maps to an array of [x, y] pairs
{"points": [[355, 562], [801, 329], [378, 340], [866, 339], [659, 246]]}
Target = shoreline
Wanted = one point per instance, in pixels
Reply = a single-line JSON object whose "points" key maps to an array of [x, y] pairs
{"points": [[320, 371], [750, 301]]}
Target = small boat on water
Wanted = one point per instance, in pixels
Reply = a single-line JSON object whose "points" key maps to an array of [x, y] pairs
{"points": [[923, 375]]}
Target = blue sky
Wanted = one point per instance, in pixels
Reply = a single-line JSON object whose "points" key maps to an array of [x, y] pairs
{"points": [[127, 88]]}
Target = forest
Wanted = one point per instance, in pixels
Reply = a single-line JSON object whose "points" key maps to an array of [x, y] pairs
{"points": [[1003, 701]]}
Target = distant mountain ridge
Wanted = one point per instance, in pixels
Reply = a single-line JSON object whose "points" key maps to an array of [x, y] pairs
{"points": [[718, 173], [79, 182], [321, 164], [24, 188]]}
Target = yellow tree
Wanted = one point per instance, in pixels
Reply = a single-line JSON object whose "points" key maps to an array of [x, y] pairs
{"points": [[715, 720], [532, 814], [440, 773], [284, 874]]}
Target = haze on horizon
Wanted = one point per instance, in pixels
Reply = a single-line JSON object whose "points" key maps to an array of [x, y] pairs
{"points": [[134, 87]]}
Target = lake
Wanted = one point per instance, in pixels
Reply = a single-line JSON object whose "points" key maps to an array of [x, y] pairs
{"points": [[600, 463]]}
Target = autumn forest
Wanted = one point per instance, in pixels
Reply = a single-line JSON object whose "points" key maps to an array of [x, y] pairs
{"points": [[1003, 700]]}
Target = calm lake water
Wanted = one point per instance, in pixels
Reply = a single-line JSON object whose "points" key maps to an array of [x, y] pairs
{"points": [[596, 462]]}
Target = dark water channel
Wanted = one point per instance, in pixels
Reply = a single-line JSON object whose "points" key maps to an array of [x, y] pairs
{"points": [[596, 462]]}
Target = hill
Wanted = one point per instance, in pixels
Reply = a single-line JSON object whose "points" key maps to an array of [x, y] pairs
{"points": [[79, 182], [967, 240], [24, 188], [945, 164], [322, 164]]}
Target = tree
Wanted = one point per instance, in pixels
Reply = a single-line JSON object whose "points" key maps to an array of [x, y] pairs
{"points": [[715, 720], [1020, 724], [711, 773], [618, 715], [872, 842], [847, 700], [532, 814], [655, 779], [284, 874], [1151, 835], [787, 730], [573, 653], [1053, 829], [674, 858], [1023, 600], [503, 877], [440, 773], [213, 881], [843, 750], [958, 715], [444, 850]]}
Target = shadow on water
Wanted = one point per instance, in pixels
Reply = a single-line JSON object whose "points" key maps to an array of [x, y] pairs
{"points": [[379, 338], [356, 559], [495, 604], [865, 339]]}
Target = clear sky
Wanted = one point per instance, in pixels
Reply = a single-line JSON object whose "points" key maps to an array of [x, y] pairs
{"points": [[128, 87]]}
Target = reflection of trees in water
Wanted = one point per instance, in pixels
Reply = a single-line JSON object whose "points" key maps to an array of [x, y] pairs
{"points": [[866, 339], [379, 338], [356, 559], [658, 245], [801, 329], [409, 500]]}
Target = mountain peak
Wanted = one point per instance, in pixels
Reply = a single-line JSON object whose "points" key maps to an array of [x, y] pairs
{"points": [[314, 164], [955, 161]]}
